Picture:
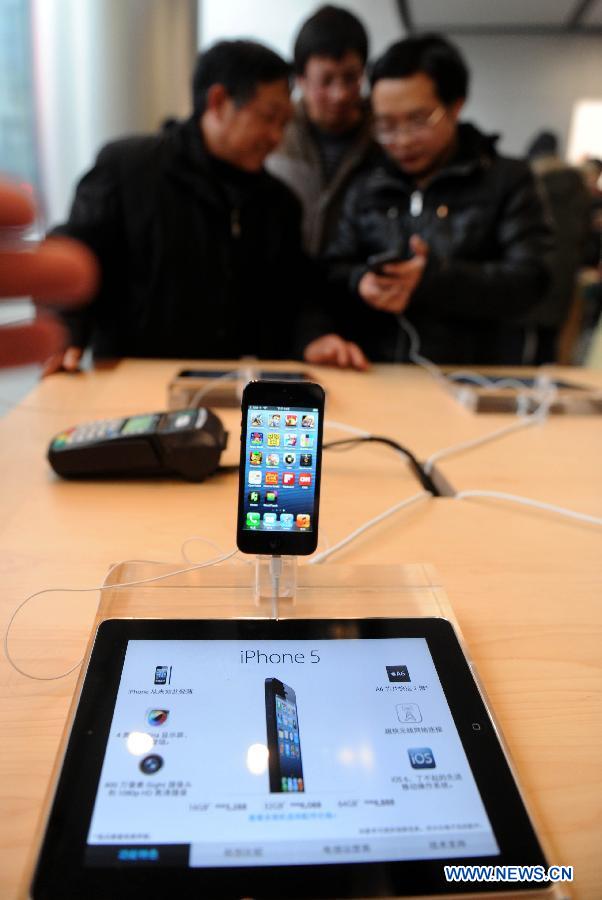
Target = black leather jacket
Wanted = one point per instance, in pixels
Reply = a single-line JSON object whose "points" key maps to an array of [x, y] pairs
{"points": [[489, 240], [198, 259]]}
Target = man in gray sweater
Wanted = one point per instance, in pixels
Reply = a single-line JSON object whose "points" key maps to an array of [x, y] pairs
{"points": [[329, 135]]}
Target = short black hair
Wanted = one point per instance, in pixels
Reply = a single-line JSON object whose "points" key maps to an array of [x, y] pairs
{"points": [[332, 31], [240, 66], [430, 54], [543, 144]]}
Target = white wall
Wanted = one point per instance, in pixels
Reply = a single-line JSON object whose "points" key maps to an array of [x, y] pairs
{"points": [[103, 69], [276, 22], [520, 85]]}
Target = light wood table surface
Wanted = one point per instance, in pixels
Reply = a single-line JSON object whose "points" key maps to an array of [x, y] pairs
{"points": [[525, 585]]}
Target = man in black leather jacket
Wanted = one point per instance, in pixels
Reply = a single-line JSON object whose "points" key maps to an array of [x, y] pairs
{"points": [[199, 247], [468, 224]]}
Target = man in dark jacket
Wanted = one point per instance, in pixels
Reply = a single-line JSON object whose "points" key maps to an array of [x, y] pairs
{"points": [[199, 248], [568, 202], [467, 223]]}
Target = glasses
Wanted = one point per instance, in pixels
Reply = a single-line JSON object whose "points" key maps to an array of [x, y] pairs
{"points": [[388, 132]]}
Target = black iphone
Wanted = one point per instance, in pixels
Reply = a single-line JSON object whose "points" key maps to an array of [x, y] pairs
{"points": [[280, 463], [377, 261], [284, 745]]}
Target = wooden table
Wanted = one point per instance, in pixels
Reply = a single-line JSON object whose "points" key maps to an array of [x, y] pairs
{"points": [[526, 586]]}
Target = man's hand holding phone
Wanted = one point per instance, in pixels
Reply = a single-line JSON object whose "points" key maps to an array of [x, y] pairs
{"points": [[390, 288]]}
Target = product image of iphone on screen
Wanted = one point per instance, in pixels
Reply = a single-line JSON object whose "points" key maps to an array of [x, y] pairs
{"points": [[280, 464], [284, 745]]}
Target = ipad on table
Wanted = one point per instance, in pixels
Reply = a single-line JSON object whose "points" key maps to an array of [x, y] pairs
{"points": [[287, 758]]}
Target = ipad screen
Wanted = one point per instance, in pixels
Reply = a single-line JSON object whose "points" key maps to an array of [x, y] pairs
{"points": [[271, 752]]}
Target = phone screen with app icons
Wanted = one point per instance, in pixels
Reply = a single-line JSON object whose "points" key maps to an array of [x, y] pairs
{"points": [[280, 468], [289, 750]]}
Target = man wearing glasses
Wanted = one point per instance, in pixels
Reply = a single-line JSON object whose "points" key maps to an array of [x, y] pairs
{"points": [[330, 133], [465, 225]]}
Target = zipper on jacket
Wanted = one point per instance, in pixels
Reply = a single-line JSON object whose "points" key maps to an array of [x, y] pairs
{"points": [[235, 229], [416, 203]]}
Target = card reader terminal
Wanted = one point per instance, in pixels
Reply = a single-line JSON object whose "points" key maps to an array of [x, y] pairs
{"points": [[187, 443]]}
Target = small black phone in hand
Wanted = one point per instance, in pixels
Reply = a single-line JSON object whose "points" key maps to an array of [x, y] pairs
{"points": [[377, 261]]}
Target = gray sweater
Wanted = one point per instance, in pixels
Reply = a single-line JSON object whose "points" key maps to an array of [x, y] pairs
{"points": [[298, 163]]}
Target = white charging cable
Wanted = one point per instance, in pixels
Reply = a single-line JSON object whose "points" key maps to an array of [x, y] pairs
{"points": [[414, 353], [203, 540], [408, 501], [446, 379], [342, 426], [244, 375], [275, 567], [103, 587], [527, 501], [523, 398], [484, 382], [539, 415]]}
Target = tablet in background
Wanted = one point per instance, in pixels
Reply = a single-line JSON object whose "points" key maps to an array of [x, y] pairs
{"points": [[220, 387], [569, 399]]}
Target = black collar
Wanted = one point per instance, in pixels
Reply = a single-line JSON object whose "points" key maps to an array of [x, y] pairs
{"points": [[191, 163], [474, 151]]}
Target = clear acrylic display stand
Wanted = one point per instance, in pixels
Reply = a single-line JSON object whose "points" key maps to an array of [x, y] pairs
{"points": [[275, 578], [239, 588]]}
